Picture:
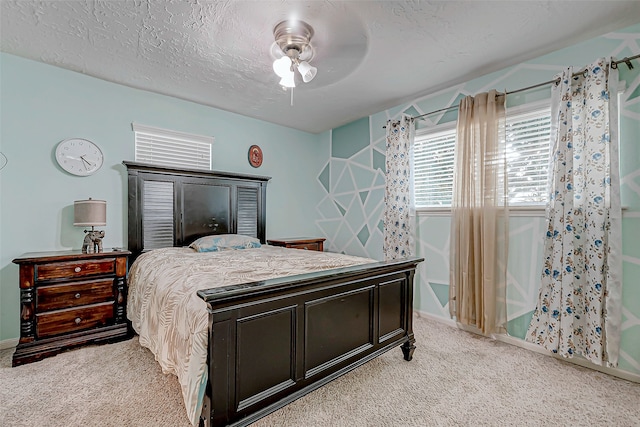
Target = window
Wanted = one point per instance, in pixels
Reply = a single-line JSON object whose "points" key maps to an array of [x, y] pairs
{"points": [[527, 138], [171, 148], [433, 168]]}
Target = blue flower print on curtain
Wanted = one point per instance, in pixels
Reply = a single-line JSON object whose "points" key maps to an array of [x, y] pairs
{"points": [[397, 216], [579, 305]]}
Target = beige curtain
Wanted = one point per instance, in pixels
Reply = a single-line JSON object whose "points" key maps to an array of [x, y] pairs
{"points": [[479, 215]]}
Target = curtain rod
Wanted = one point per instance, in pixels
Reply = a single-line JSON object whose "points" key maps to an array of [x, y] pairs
{"points": [[614, 64]]}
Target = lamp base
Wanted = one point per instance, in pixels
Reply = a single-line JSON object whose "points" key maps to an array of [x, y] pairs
{"points": [[92, 242]]}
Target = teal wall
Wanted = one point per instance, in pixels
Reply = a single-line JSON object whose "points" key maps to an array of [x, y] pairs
{"points": [[41, 105], [353, 184]]}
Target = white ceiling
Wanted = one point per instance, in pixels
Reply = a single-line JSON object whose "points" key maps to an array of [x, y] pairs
{"points": [[370, 55]]}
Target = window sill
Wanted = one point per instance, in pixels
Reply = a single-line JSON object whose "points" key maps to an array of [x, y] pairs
{"points": [[513, 211], [531, 211]]}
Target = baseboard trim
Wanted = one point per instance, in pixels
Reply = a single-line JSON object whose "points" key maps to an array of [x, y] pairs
{"points": [[10, 343], [507, 339]]}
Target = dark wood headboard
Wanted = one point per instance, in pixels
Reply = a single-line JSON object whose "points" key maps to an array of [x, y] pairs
{"points": [[173, 207]]}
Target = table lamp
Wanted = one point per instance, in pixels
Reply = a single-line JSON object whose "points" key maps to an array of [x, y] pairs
{"points": [[90, 213]]}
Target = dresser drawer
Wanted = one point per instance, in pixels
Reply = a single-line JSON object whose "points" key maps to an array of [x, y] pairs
{"points": [[308, 243], [72, 320], [54, 297], [72, 269], [308, 246]]}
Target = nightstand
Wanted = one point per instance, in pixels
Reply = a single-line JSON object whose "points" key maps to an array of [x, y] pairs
{"points": [[69, 299], [309, 243]]}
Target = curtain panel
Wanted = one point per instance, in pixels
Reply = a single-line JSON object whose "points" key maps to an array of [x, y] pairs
{"points": [[399, 210], [579, 304], [479, 215]]}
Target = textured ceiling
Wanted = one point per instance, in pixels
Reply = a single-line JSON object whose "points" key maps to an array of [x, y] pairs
{"points": [[370, 55]]}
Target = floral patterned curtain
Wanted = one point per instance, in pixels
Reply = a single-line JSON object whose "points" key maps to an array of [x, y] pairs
{"points": [[579, 305], [398, 198]]}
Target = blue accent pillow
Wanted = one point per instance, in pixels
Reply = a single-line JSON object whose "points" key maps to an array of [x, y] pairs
{"points": [[224, 242]]}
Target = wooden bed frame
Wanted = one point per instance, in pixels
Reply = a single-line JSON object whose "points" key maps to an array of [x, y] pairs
{"points": [[273, 341]]}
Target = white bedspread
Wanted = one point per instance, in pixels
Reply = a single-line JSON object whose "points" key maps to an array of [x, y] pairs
{"points": [[171, 319]]}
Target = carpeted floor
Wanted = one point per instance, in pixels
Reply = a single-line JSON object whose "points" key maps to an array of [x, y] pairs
{"points": [[455, 379]]}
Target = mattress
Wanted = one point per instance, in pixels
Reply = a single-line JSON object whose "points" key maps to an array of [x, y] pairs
{"points": [[172, 321]]}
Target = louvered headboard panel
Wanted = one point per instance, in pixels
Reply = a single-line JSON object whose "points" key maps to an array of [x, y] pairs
{"points": [[173, 207]]}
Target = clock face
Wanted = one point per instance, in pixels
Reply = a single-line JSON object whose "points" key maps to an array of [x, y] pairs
{"points": [[79, 156]]}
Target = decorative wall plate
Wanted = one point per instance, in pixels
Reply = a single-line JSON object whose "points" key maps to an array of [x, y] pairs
{"points": [[255, 156]]}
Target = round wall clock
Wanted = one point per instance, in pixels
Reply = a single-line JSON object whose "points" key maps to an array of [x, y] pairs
{"points": [[79, 156], [255, 156]]}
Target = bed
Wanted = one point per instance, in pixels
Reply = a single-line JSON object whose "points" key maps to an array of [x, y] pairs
{"points": [[270, 335]]}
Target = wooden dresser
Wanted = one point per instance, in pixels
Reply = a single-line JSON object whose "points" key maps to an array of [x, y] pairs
{"points": [[69, 299], [309, 243]]}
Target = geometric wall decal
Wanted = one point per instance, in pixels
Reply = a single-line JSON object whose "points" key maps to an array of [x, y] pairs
{"points": [[380, 180], [441, 291], [375, 198], [629, 358], [379, 161], [344, 183], [635, 94], [363, 158], [344, 200], [324, 177], [452, 114], [411, 111], [363, 235], [349, 139], [342, 210], [327, 209], [380, 145], [363, 196], [336, 170], [329, 228], [518, 327], [362, 176]]}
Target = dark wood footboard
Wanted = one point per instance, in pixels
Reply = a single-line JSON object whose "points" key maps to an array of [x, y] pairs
{"points": [[274, 341]]}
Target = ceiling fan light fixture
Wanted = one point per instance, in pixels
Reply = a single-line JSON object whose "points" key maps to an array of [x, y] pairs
{"points": [[294, 40], [288, 80], [307, 71], [282, 66]]}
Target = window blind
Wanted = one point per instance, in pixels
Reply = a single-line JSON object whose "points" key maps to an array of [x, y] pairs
{"points": [[433, 168], [527, 137], [165, 147], [527, 143]]}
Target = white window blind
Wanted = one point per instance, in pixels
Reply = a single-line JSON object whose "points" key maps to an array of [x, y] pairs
{"points": [[433, 168], [165, 147], [527, 138]]}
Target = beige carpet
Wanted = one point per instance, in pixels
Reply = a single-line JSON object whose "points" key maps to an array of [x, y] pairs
{"points": [[455, 379]]}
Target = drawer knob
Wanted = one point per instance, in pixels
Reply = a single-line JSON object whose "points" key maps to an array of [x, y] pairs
{"points": [[77, 295], [77, 269], [78, 320]]}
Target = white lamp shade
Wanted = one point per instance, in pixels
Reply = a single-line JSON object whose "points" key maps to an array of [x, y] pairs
{"points": [[282, 66], [307, 71], [89, 213], [288, 80]]}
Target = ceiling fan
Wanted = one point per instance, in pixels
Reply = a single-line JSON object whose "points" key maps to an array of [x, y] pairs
{"points": [[293, 49]]}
